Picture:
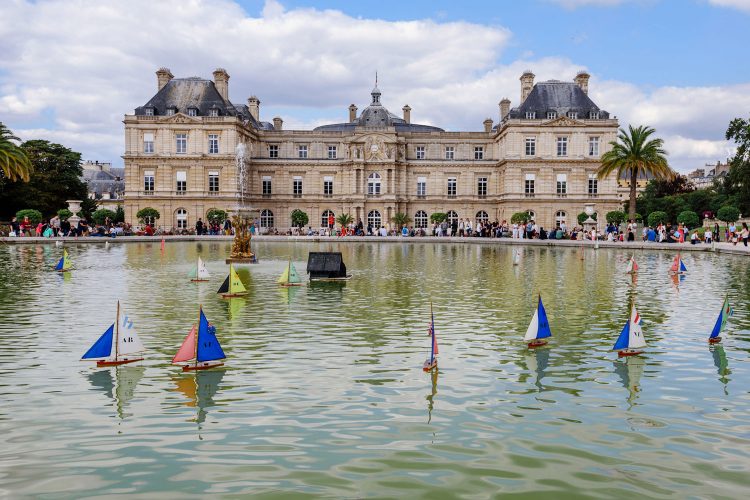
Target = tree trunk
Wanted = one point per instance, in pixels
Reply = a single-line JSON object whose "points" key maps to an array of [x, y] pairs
{"points": [[633, 185]]}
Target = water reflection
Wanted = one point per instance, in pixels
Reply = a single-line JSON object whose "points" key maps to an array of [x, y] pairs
{"points": [[199, 388], [722, 365], [630, 371], [118, 384], [537, 361], [234, 306], [431, 397], [287, 293]]}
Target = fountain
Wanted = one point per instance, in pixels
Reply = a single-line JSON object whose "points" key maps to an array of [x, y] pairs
{"points": [[243, 216]]}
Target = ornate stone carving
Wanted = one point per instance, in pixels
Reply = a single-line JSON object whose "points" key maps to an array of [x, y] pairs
{"points": [[563, 121], [376, 149]]}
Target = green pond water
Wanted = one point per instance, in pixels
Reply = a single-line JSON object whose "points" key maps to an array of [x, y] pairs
{"points": [[323, 392]]}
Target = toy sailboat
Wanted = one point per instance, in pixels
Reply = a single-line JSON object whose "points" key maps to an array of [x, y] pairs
{"points": [[118, 344], [631, 337], [632, 266], [678, 266], [232, 286], [431, 362], [721, 322], [64, 264], [200, 349], [199, 272], [516, 257], [290, 276], [538, 331]]}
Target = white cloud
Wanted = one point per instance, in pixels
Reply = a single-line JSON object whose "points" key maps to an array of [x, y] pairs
{"points": [[736, 4]]}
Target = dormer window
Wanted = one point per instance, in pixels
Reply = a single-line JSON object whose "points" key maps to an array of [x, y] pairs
{"points": [[551, 115], [594, 115], [213, 112], [149, 110], [531, 115], [573, 115], [192, 112], [171, 110]]}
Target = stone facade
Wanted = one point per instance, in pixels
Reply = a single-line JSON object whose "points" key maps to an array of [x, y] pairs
{"points": [[181, 149]]}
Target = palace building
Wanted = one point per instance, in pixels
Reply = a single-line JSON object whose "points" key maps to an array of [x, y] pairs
{"points": [[189, 149]]}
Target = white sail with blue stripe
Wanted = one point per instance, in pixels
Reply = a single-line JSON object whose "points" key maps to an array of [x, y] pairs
{"points": [[538, 329], [631, 337], [721, 322]]}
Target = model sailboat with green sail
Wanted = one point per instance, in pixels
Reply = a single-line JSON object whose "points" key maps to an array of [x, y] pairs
{"points": [[289, 277]]}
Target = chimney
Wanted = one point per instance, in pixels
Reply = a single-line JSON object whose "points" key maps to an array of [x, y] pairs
{"points": [[527, 83], [352, 113], [488, 125], [221, 80], [277, 123], [163, 75], [504, 108], [407, 113], [582, 80], [253, 104]]}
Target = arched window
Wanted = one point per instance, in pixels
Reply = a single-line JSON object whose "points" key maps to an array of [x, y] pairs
{"points": [[373, 184], [452, 217], [532, 215], [373, 218], [420, 219], [482, 217], [324, 218], [559, 218], [266, 218], [181, 218]]}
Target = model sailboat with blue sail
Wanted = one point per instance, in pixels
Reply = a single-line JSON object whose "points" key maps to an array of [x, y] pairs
{"points": [[118, 345], [64, 264], [631, 338], [721, 322], [538, 331], [431, 362], [678, 265], [201, 349]]}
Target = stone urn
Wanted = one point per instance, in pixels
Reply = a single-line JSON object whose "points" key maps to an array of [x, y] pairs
{"points": [[75, 207]]}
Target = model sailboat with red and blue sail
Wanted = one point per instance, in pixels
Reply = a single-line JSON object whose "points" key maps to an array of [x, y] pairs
{"points": [[721, 322], [631, 338], [431, 362], [201, 349], [632, 266], [538, 331], [678, 265], [118, 345]]}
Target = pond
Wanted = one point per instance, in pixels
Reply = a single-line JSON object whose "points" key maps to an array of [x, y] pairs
{"points": [[323, 393]]}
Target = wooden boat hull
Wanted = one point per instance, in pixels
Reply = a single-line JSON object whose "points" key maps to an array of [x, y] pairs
{"points": [[624, 353], [118, 362], [429, 366], [201, 366], [230, 295], [714, 340], [290, 284], [537, 343], [197, 280]]}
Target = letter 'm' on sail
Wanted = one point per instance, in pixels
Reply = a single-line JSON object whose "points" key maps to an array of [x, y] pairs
{"points": [[102, 348], [187, 350], [209, 348]]}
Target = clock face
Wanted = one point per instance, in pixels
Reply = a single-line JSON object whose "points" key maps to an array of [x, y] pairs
{"points": [[374, 148]]}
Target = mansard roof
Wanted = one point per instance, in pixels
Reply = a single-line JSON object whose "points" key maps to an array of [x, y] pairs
{"points": [[561, 97]]}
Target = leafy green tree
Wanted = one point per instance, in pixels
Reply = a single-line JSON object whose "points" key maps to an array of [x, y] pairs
{"points": [[519, 218], [633, 155], [119, 214], [35, 216], [400, 219], [14, 162], [615, 217], [299, 218], [100, 216], [438, 217], [738, 178], [88, 207], [688, 218], [728, 214], [56, 177], [64, 214], [657, 217], [583, 217], [148, 214], [344, 219], [216, 215]]}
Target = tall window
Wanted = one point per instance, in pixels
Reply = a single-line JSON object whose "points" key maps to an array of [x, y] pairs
{"points": [[594, 115], [422, 186], [149, 111], [593, 146], [531, 115], [213, 112], [551, 115], [148, 181], [559, 218], [181, 218], [192, 112], [530, 146], [373, 218], [331, 152], [266, 186], [449, 152], [327, 187], [420, 219], [273, 151], [478, 152], [266, 218], [562, 146], [213, 181], [213, 144], [452, 187], [482, 187], [562, 184], [297, 187], [148, 143], [181, 146], [373, 184], [324, 217], [573, 115], [171, 111], [593, 185], [482, 217], [302, 151], [181, 181], [452, 216], [420, 152], [529, 185]]}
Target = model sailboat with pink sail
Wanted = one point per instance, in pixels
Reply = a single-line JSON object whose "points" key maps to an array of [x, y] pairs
{"points": [[632, 266], [201, 349]]}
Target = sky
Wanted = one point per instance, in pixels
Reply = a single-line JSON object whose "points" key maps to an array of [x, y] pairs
{"points": [[70, 70]]}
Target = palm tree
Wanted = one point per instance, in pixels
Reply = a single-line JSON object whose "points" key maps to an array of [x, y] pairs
{"points": [[14, 162], [344, 220], [634, 155], [400, 219]]}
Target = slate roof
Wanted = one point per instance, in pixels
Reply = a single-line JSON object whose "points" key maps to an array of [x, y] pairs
{"points": [[561, 97], [102, 181]]}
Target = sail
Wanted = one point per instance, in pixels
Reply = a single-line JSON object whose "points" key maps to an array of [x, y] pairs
{"points": [[682, 266], [636, 339], [193, 274], [64, 263], [721, 321], [675, 264], [516, 257], [293, 276], [632, 265], [284, 278], [235, 284], [543, 331], [622, 340], [209, 348], [127, 338], [533, 329], [187, 350], [202, 273], [224, 288], [434, 347], [102, 348]]}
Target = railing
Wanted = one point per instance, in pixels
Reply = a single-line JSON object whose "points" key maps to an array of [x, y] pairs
{"points": [[373, 195], [593, 195], [296, 196], [529, 195], [147, 193], [562, 195], [481, 196], [452, 196], [180, 193], [266, 195]]}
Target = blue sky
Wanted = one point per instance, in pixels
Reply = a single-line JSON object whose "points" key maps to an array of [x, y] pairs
{"points": [[72, 69]]}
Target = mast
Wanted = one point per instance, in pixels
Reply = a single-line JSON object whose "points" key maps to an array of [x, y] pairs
{"points": [[432, 336], [289, 271], [117, 329], [197, 333]]}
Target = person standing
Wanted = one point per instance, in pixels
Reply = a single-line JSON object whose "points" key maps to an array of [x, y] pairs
{"points": [[716, 232], [744, 233], [199, 227]]}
